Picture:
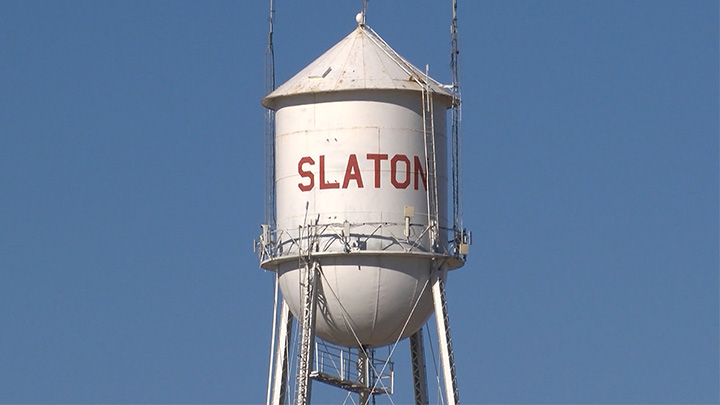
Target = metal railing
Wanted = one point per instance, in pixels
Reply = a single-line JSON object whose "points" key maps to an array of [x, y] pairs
{"points": [[365, 237], [341, 366]]}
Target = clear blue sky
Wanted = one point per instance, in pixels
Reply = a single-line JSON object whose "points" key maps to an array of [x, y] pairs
{"points": [[131, 162]]}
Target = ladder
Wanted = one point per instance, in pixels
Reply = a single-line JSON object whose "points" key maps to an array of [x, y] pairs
{"points": [[430, 161]]}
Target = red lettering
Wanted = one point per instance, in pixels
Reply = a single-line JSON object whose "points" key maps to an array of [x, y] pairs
{"points": [[377, 157], [306, 174], [324, 185], [352, 172], [418, 172], [393, 171]]}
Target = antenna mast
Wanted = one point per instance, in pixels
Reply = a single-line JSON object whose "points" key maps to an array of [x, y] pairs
{"points": [[270, 127], [456, 113]]}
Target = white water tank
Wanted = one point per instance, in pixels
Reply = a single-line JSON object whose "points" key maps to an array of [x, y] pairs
{"points": [[351, 190]]}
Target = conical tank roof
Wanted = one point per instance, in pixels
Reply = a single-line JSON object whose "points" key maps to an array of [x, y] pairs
{"points": [[360, 61]]}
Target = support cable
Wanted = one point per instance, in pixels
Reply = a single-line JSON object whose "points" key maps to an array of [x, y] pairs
{"points": [[394, 346], [348, 320], [441, 398], [293, 363], [346, 315], [348, 395]]}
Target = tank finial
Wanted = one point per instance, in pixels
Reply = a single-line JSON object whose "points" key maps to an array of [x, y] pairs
{"points": [[360, 18]]}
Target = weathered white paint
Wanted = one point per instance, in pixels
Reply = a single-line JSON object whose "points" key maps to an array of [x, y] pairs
{"points": [[365, 104]]}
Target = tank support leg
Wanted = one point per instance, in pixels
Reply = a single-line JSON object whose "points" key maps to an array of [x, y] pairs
{"points": [[363, 376], [280, 372], [444, 342], [417, 356], [307, 341]]}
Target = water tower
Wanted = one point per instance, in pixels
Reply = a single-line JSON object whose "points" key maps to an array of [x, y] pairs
{"points": [[357, 229]]}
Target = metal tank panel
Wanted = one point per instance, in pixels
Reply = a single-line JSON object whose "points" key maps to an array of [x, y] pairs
{"points": [[351, 181], [365, 299], [361, 160]]}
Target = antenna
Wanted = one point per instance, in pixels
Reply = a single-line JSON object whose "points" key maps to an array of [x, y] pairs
{"points": [[278, 361], [270, 126], [456, 113]]}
